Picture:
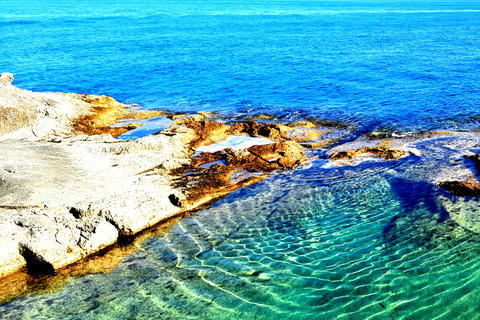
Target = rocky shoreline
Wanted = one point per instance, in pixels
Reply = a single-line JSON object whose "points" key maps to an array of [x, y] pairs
{"points": [[69, 189]]}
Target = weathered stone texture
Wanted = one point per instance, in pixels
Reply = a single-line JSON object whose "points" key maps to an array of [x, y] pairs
{"points": [[69, 189]]}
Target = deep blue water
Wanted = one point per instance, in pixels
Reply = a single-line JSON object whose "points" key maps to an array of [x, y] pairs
{"points": [[398, 65], [370, 241]]}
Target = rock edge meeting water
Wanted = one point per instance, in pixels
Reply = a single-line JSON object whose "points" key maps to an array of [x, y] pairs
{"points": [[354, 239]]}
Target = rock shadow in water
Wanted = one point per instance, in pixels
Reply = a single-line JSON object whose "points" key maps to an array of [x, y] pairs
{"points": [[413, 195]]}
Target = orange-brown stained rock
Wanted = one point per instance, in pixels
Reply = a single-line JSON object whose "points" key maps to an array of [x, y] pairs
{"points": [[273, 131], [203, 132], [242, 158], [383, 150], [469, 187], [302, 131], [442, 132], [206, 157], [196, 117], [106, 112], [245, 183], [305, 134], [303, 124], [176, 116], [285, 153], [247, 127], [314, 145], [203, 185], [265, 117], [215, 187]]}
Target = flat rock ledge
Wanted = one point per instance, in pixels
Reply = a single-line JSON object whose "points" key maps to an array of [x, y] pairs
{"points": [[69, 189]]}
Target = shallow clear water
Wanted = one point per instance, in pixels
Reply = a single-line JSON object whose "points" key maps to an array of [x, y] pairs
{"points": [[374, 240], [301, 245]]}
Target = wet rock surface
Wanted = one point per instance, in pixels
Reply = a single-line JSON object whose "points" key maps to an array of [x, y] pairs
{"points": [[469, 187], [211, 176], [383, 150]]}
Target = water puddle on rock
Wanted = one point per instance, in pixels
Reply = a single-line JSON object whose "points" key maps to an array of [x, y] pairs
{"points": [[150, 126], [236, 143]]}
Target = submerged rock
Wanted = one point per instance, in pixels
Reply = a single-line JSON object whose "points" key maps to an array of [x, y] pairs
{"points": [[469, 187], [383, 150]]}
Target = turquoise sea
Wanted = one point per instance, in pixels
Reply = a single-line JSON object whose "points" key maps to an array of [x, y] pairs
{"points": [[373, 240]]}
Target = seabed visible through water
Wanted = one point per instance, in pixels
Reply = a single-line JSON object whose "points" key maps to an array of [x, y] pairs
{"points": [[365, 241]]}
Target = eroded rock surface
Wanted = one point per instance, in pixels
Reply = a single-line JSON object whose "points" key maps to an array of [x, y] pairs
{"points": [[69, 189], [74, 197], [383, 150], [213, 175], [39, 115]]}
